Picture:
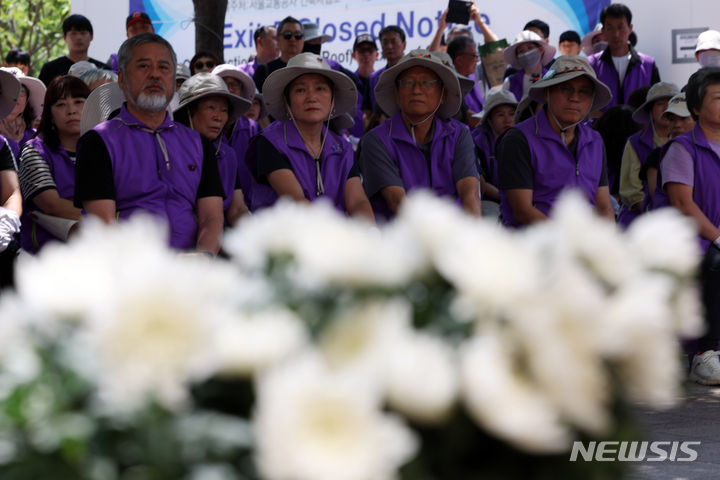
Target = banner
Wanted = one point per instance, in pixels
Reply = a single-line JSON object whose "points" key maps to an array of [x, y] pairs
{"points": [[343, 20]]}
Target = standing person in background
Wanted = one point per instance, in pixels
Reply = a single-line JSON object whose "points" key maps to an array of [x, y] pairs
{"points": [[47, 162], [365, 53], [392, 42], [527, 55], [135, 24], [77, 33], [619, 66], [465, 57], [203, 61], [707, 50], [291, 39], [266, 48], [569, 43], [18, 58]]}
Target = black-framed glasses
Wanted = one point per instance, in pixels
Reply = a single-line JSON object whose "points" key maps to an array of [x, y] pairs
{"points": [[569, 92], [289, 35], [199, 65], [409, 84]]}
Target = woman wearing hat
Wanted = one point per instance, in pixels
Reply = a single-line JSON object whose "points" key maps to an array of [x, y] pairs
{"points": [[420, 145], [633, 192], [528, 54], [47, 162], [297, 155], [498, 118], [545, 154], [208, 107], [18, 125]]}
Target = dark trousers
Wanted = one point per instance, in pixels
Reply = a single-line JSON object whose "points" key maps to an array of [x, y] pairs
{"points": [[710, 277]]}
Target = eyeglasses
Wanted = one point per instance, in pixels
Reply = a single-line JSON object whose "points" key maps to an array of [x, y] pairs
{"points": [[409, 84], [207, 64], [289, 35], [569, 92]]}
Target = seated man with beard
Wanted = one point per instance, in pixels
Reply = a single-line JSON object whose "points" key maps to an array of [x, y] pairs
{"points": [[143, 161]]}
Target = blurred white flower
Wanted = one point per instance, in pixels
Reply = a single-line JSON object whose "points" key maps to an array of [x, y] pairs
{"points": [[688, 311], [500, 399], [665, 240], [258, 340], [422, 378], [314, 424], [19, 362]]}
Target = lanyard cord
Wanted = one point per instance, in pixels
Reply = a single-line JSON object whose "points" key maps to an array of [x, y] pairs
{"points": [[156, 134]]}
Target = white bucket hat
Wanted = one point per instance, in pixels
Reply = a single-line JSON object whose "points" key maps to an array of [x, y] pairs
{"points": [[344, 90], [495, 98], [182, 71], [204, 85], [678, 106], [312, 31], [656, 92], [9, 92], [527, 36], [100, 104], [587, 41], [35, 86], [246, 82], [386, 90], [708, 40], [78, 68], [566, 68]]}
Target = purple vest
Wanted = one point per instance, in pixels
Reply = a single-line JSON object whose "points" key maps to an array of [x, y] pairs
{"points": [[474, 100], [336, 161], [483, 139], [245, 129], [249, 67], [145, 181], [62, 169], [554, 168], [114, 65], [228, 167], [638, 74], [642, 143], [706, 188], [411, 160]]}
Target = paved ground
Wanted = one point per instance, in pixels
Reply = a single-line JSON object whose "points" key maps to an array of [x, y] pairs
{"points": [[696, 419]]}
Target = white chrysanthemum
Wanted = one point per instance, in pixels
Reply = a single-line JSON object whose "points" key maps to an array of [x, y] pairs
{"points": [[665, 240], [313, 424], [327, 247], [363, 336], [422, 378], [159, 331], [18, 361], [502, 401], [688, 312], [258, 340]]}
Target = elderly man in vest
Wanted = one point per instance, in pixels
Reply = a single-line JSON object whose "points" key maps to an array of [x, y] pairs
{"points": [[142, 161], [619, 66], [554, 150]]}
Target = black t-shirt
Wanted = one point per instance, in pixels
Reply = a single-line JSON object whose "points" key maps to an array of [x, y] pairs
{"points": [[61, 66], [515, 168], [266, 69], [94, 176], [6, 158], [273, 160]]}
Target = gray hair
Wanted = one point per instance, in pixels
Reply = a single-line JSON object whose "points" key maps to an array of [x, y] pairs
{"points": [[125, 52], [95, 75]]}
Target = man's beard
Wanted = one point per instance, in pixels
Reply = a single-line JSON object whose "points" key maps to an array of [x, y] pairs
{"points": [[151, 103]]}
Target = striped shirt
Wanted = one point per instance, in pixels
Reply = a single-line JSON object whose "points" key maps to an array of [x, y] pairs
{"points": [[34, 173]]}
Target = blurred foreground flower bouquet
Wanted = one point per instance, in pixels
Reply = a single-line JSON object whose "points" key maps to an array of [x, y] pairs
{"points": [[439, 347]]}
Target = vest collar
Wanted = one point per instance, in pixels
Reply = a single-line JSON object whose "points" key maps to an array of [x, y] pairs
{"points": [[399, 132], [543, 129], [130, 120], [634, 57], [294, 141]]}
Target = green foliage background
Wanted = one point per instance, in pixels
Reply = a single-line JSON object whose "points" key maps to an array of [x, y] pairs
{"points": [[34, 26]]}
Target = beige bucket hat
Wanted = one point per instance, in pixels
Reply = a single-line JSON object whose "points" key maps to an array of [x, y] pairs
{"points": [[678, 106], [100, 104], [204, 85], [496, 97], [34, 85], [527, 36], [566, 68], [386, 90], [246, 82], [658, 91], [344, 90]]}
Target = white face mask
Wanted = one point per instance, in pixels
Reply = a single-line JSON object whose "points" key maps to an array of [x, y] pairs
{"points": [[709, 58], [600, 46], [529, 59]]}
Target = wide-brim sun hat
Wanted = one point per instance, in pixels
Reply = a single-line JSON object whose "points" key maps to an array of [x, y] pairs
{"points": [[246, 82], [466, 83], [386, 89], [312, 31], [182, 71], [567, 67], [528, 36], [35, 87], [344, 90], [100, 104], [657, 92], [205, 85], [496, 97], [708, 40], [263, 109], [587, 41], [78, 68], [678, 106], [9, 93]]}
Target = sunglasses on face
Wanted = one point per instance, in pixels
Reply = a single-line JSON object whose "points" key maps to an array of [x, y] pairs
{"points": [[207, 64], [289, 35]]}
